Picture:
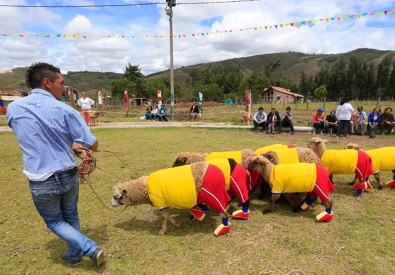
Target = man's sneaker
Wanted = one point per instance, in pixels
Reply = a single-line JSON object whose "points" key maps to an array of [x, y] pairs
{"points": [[197, 213], [65, 256], [391, 183], [239, 214], [97, 256]]}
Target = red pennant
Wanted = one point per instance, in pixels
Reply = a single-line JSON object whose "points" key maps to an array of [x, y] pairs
{"points": [[385, 12]]}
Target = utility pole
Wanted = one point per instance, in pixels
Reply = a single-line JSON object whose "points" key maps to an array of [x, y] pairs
{"points": [[169, 12]]}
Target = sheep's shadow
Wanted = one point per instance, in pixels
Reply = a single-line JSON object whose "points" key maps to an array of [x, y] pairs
{"points": [[153, 224]]}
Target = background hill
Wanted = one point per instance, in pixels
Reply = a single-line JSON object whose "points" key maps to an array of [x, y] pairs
{"points": [[292, 64]]}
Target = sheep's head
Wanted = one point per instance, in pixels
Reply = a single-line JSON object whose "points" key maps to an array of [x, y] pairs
{"points": [[180, 161], [188, 158], [118, 197], [316, 143], [259, 163], [352, 146], [272, 157]]}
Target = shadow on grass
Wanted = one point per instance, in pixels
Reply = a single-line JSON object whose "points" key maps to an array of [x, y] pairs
{"points": [[187, 227], [57, 245]]}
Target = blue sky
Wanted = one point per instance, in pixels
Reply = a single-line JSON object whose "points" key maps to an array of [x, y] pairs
{"points": [[152, 53]]}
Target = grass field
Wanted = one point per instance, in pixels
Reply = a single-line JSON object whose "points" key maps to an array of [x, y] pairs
{"points": [[360, 239]]}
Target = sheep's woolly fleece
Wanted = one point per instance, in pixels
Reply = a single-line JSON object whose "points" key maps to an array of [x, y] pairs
{"points": [[304, 155]]}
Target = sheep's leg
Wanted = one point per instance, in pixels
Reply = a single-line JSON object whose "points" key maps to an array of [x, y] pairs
{"points": [[273, 198], [354, 181], [225, 226], [165, 216], [310, 198], [378, 179]]}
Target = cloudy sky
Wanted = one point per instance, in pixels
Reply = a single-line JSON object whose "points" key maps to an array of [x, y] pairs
{"points": [[107, 35]]}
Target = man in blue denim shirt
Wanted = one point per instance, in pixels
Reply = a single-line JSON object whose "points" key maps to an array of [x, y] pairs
{"points": [[48, 132]]}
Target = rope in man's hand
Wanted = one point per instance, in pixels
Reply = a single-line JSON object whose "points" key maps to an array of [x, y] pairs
{"points": [[88, 164]]}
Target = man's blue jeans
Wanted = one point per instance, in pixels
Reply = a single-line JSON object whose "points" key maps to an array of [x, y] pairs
{"points": [[56, 201]]}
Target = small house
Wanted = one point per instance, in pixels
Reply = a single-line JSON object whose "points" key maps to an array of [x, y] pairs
{"points": [[279, 95]]}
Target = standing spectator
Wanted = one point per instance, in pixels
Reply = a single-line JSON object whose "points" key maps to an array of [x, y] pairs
{"points": [[260, 119], [42, 123], [286, 120], [86, 103], [162, 113], [319, 121], [194, 111], [362, 122], [386, 121], [373, 121], [273, 120], [154, 112], [331, 122], [343, 114]]}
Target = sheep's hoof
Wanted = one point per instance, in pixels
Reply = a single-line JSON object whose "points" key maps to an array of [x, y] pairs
{"points": [[381, 187], [351, 183], [266, 211], [162, 231]]}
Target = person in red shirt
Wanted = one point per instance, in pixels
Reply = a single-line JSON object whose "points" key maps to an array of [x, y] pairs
{"points": [[319, 121]]}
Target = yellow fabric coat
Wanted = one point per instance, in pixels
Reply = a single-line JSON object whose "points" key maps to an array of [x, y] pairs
{"points": [[272, 147], [288, 156], [236, 155], [293, 178], [222, 164], [383, 159], [173, 188], [340, 161]]}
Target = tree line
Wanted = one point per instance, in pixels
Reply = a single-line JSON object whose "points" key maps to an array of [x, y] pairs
{"points": [[356, 79]]}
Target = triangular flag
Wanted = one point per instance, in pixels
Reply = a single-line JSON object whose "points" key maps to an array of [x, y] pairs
{"points": [[379, 12], [385, 12], [276, 26], [338, 18]]}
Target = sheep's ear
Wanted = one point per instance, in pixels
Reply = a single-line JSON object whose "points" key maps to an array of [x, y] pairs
{"points": [[325, 140], [123, 191]]}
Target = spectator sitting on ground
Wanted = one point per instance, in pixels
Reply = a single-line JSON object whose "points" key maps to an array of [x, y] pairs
{"points": [[319, 121], [154, 112], [386, 121], [331, 122], [147, 114], [362, 122], [260, 119], [373, 121], [194, 111], [162, 113], [286, 120], [273, 120]]}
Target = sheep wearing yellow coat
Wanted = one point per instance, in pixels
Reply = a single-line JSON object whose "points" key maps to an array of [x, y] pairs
{"points": [[344, 162], [298, 177], [383, 159], [181, 187]]}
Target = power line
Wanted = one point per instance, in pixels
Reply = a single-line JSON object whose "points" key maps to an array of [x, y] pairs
{"points": [[125, 5]]}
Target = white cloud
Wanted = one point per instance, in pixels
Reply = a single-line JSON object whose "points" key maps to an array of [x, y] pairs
{"points": [[152, 54]]}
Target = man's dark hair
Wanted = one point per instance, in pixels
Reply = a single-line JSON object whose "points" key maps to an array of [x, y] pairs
{"points": [[288, 108], [38, 71], [388, 108], [260, 108]]}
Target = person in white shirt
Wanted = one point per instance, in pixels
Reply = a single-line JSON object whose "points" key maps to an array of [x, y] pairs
{"points": [[343, 114], [86, 103], [260, 119]]}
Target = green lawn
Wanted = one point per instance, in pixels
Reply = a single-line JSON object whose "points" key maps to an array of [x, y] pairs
{"points": [[360, 239]]}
